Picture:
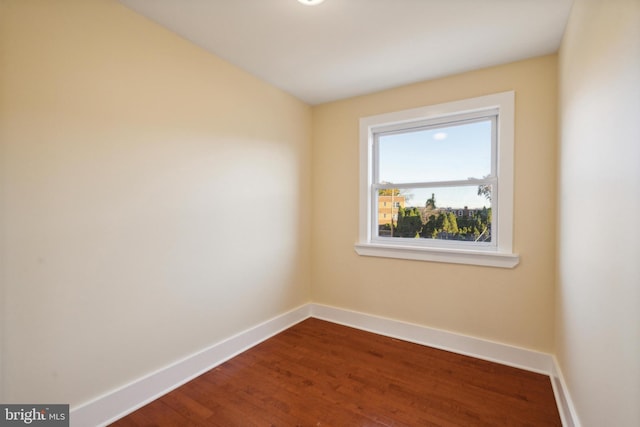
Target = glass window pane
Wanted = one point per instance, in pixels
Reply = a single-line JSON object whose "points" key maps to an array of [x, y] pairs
{"points": [[448, 213], [447, 153]]}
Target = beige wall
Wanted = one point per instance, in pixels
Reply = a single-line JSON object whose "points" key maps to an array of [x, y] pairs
{"points": [[138, 179], [598, 302], [510, 306], [134, 167]]}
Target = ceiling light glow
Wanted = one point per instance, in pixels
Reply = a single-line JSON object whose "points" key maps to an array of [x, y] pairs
{"points": [[310, 2]]}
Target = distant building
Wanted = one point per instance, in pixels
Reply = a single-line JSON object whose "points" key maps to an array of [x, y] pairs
{"points": [[388, 208], [466, 212], [462, 213]]}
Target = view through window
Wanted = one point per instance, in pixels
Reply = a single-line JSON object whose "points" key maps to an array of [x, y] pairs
{"points": [[435, 180]]}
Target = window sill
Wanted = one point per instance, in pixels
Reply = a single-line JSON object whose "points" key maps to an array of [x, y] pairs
{"points": [[455, 256]]}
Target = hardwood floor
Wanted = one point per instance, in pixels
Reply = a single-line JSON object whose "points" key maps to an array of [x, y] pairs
{"points": [[318, 373]]}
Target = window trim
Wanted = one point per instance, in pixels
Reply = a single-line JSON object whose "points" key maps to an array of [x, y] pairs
{"points": [[498, 255]]}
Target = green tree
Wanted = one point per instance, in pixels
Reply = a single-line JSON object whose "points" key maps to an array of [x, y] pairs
{"points": [[485, 190], [389, 192], [429, 227], [409, 222], [453, 223], [482, 225], [431, 203], [445, 223]]}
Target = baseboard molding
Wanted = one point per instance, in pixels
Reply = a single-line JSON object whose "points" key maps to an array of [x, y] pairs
{"points": [[482, 349], [517, 357], [120, 402], [563, 398]]}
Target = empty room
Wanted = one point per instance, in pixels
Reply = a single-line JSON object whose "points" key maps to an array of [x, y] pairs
{"points": [[320, 213]]}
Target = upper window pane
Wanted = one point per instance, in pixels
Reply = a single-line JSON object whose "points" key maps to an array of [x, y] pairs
{"points": [[445, 153]]}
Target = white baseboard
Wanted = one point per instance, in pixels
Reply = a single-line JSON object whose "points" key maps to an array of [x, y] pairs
{"points": [[565, 403], [120, 402], [517, 357], [127, 399], [461, 344]]}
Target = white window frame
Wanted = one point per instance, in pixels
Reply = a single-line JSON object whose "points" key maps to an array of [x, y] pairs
{"points": [[500, 252]]}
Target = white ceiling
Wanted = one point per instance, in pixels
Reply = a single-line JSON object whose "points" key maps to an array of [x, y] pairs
{"points": [[344, 48]]}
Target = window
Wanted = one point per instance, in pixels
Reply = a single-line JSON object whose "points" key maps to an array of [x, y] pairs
{"points": [[447, 171]]}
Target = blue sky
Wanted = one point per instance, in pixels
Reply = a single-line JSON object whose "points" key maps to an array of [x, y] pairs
{"points": [[441, 154]]}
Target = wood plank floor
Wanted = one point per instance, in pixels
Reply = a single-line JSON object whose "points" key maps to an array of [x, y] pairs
{"points": [[318, 373]]}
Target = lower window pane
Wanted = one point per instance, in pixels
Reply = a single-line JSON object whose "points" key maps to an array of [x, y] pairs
{"points": [[447, 213]]}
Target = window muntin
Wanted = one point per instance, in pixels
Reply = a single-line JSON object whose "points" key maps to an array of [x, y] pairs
{"points": [[485, 177]]}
